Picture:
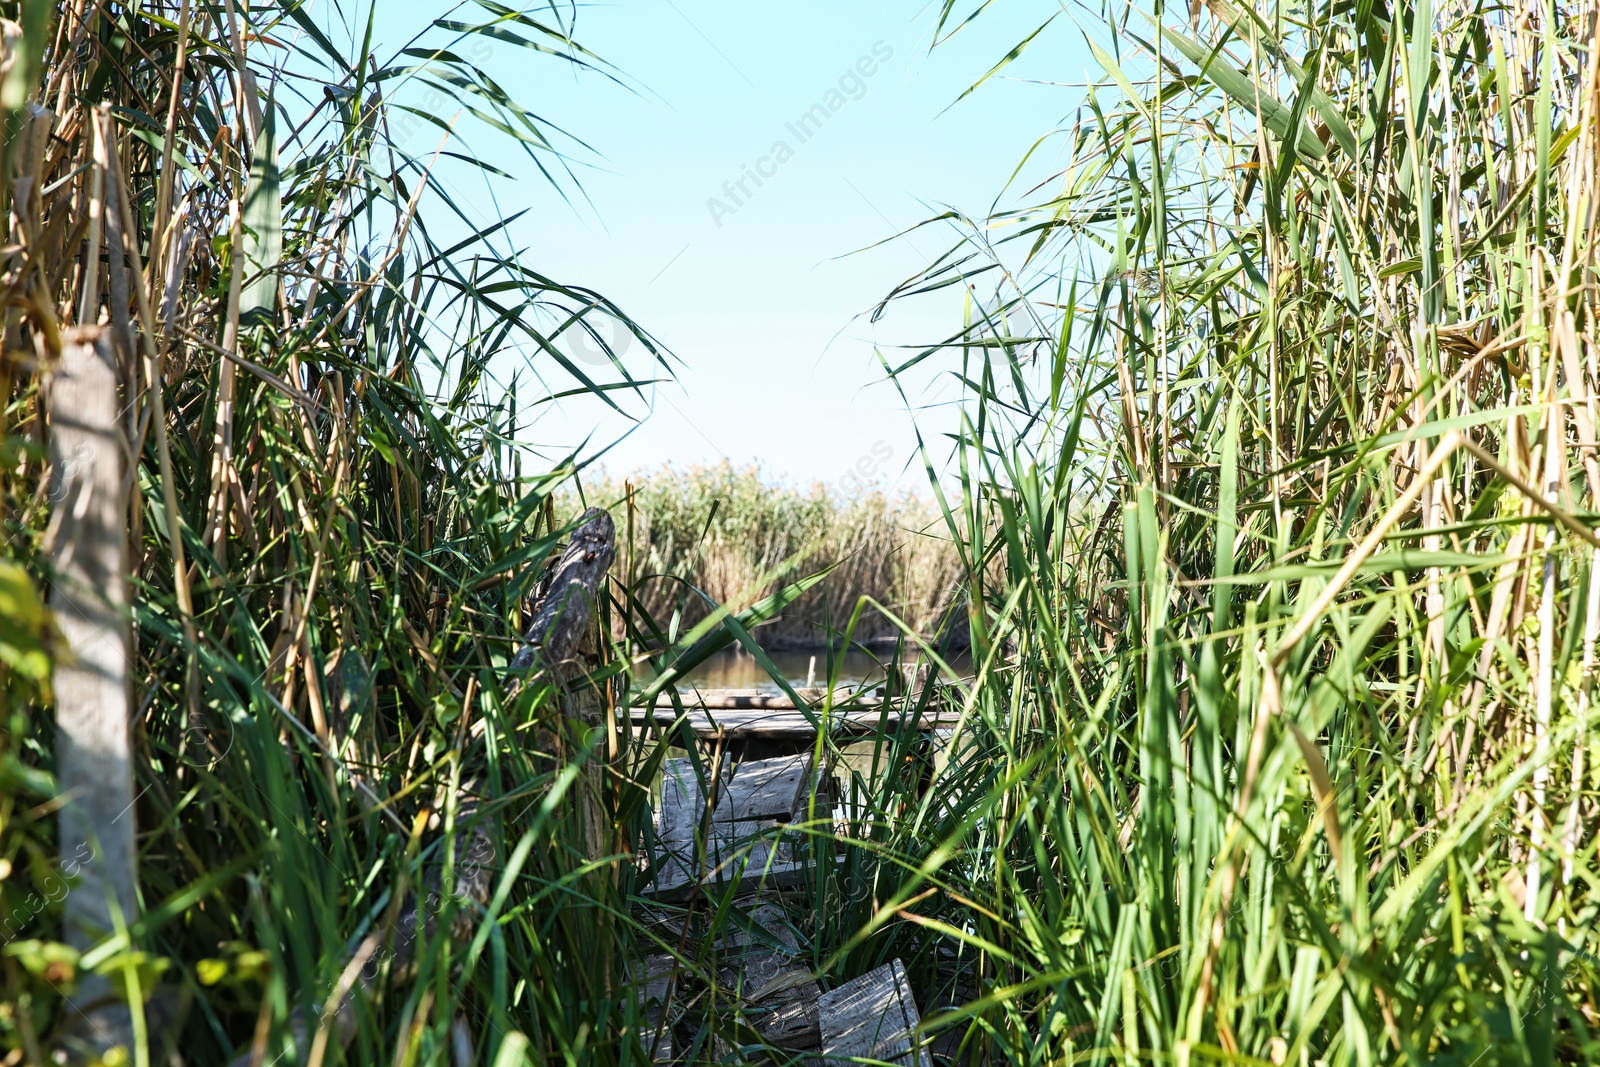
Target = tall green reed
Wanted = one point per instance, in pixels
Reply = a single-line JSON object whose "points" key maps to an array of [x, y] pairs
{"points": [[1281, 748], [334, 546], [1274, 505]]}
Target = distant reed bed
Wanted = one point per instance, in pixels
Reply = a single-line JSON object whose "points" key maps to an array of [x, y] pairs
{"points": [[694, 537]]}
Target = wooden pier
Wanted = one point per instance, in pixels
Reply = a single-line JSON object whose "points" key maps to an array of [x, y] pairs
{"points": [[743, 830], [752, 713], [740, 842]]}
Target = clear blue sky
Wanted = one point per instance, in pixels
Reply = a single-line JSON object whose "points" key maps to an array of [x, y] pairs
{"points": [[763, 302]]}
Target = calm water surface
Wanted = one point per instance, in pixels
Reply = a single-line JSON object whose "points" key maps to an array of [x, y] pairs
{"points": [[731, 669], [737, 669]]}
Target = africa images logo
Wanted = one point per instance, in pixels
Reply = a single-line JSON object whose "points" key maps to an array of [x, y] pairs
{"points": [[596, 336], [206, 742], [852, 85]]}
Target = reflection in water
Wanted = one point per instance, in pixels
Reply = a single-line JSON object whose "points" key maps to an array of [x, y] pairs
{"points": [[737, 669]]}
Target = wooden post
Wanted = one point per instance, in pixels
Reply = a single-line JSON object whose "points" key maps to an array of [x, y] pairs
{"points": [[564, 639], [89, 595], [560, 641]]}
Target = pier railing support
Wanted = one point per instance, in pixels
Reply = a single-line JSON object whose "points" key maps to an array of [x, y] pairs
{"points": [[89, 595], [565, 639]]}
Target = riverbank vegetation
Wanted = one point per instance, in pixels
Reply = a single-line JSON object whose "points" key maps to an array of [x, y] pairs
{"points": [[694, 539], [1273, 508], [1287, 443], [331, 551]]}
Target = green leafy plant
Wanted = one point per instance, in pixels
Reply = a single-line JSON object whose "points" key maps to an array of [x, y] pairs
{"points": [[1280, 429]]}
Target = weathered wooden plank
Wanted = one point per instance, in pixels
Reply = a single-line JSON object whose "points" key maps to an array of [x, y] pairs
{"points": [[566, 608], [873, 1018], [652, 982], [791, 725], [746, 852], [679, 817], [761, 699], [682, 806], [743, 845], [769, 789], [89, 595], [778, 995], [751, 791]]}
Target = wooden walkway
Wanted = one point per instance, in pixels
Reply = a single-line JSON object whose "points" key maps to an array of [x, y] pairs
{"points": [[743, 842], [740, 842], [737, 832], [751, 713]]}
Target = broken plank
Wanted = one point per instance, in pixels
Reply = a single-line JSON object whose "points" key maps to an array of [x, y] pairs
{"points": [[769, 789], [777, 992], [774, 788], [744, 845], [750, 854], [682, 808], [873, 1018], [789, 724], [652, 981]]}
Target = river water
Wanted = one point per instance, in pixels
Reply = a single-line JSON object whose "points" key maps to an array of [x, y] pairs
{"points": [[735, 668]]}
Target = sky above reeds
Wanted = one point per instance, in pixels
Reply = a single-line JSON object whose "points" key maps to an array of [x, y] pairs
{"points": [[762, 290]]}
